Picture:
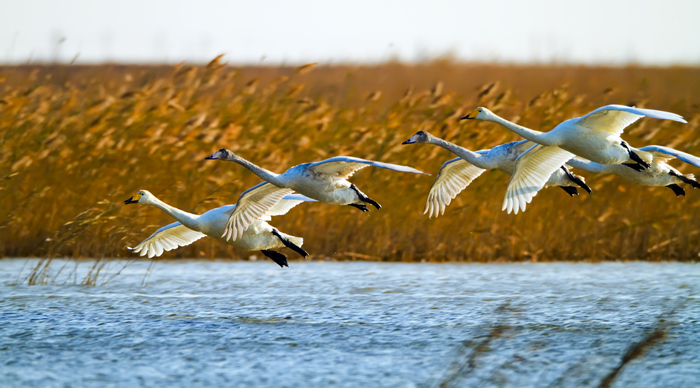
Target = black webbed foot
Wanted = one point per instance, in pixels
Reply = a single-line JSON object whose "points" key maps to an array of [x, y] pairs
{"points": [[570, 190], [290, 244], [677, 190], [365, 198], [693, 183], [634, 166], [576, 180], [277, 257], [639, 160], [372, 202], [361, 207], [635, 157]]}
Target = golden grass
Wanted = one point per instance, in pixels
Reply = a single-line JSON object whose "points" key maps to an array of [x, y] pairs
{"points": [[77, 141]]}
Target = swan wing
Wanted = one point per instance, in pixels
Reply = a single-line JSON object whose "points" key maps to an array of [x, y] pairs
{"points": [[688, 158], [532, 170], [454, 176], [252, 205], [285, 205], [345, 166], [615, 118], [167, 238]]}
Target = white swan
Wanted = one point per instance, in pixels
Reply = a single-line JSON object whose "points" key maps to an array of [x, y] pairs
{"points": [[658, 174], [259, 236], [325, 181], [595, 136], [456, 174]]}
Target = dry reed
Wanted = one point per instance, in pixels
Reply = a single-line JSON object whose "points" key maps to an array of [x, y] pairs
{"points": [[77, 141]]}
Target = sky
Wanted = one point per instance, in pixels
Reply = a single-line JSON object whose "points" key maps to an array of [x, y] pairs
{"points": [[272, 32]]}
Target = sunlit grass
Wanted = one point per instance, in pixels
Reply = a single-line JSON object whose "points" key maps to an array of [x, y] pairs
{"points": [[77, 141]]}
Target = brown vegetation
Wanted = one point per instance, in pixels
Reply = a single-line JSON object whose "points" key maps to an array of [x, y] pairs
{"points": [[77, 141]]}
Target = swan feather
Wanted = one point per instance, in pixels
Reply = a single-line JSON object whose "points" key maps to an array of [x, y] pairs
{"points": [[688, 158], [532, 171], [253, 204], [167, 238], [454, 176], [615, 118], [345, 166]]}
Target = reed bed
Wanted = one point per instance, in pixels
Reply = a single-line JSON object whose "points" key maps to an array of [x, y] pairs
{"points": [[78, 140]]}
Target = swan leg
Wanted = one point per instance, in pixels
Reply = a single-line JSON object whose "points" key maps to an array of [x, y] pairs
{"points": [[361, 207], [290, 244], [277, 257], [365, 198], [571, 190], [676, 190], [634, 166], [576, 180], [689, 181], [634, 156]]}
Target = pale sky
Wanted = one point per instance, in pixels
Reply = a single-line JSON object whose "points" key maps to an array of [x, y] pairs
{"points": [[276, 32]]}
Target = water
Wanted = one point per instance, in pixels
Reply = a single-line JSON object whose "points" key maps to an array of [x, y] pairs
{"points": [[355, 324]]}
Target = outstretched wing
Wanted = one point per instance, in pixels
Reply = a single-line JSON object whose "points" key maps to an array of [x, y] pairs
{"points": [[285, 205], [167, 238], [252, 205], [454, 176], [345, 166], [615, 118], [688, 158], [532, 170]]}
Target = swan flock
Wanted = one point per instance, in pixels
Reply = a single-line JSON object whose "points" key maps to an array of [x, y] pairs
{"points": [[590, 143]]}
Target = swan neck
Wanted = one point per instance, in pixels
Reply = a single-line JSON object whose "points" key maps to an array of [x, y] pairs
{"points": [[264, 174], [588, 166], [469, 156], [525, 132], [185, 218]]}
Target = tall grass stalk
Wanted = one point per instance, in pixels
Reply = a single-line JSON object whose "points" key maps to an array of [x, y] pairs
{"points": [[78, 140]]}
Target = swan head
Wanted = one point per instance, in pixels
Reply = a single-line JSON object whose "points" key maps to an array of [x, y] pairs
{"points": [[222, 154], [479, 113], [419, 137], [141, 196]]}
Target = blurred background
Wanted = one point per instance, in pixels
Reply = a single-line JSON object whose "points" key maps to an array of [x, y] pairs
{"points": [[595, 32], [99, 100]]}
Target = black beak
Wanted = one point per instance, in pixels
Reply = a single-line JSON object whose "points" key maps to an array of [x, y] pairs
{"points": [[210, 157], [130, 201], [466, 118], [407, 142]]}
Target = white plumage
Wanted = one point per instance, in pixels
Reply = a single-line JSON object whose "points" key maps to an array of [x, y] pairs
{"points": [[595, 136], [455, 175], [325, 181], [259, 235], [658, 174]]}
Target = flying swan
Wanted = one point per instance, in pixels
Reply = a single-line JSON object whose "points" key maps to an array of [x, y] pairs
{"points": [[259, 236], [325, 181], [595, 136], [659, 174], [456, 174]]}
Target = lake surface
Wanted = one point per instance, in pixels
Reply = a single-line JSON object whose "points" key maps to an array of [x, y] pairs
{"points": [[203, 323]]}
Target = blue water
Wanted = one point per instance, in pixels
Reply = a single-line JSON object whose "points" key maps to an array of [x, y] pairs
{"points": [[353, 324]]}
